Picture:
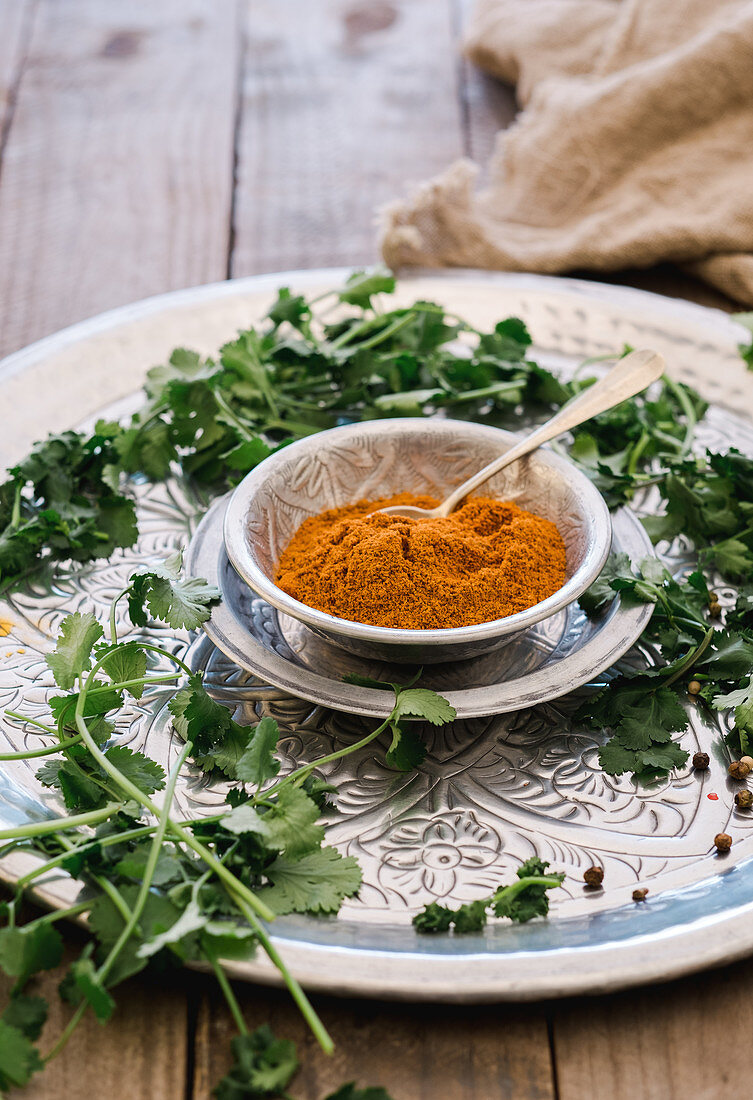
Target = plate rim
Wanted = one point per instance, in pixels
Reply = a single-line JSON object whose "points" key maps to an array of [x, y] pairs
{"points": [[693, 947]]}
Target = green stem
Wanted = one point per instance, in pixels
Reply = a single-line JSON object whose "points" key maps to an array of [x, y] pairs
{"points": [[104, 842], [66, 1033], [17, 717], [149, 869], [637, 451], [15, 516], [113, 619], [170, 656], [301, 773], [57, 824], [304, 1005], [138, 795], [687, 407], [48, 750], [690, 658], [227, 992]]}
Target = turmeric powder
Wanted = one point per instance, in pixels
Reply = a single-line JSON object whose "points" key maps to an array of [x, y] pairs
{"points": [[487, 560]]}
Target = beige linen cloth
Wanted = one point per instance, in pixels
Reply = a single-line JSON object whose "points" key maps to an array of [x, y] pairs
{"points": [[634, 145]]}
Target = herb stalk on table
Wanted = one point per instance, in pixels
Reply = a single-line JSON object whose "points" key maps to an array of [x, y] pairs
{"points": [[167, 888]]}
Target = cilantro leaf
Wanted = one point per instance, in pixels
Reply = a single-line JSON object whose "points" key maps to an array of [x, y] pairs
{"points": [[258, 764], [179, 602], [470, 917], [142, 771], [190, 920], [26, 950], [423, 703], [90, 987], [317, 883], [19, 1058], [263, 1066], [288, 826], [28, 1014], [407, 750], [433, 918], [123, 663], [72, 653], [360, 286]]}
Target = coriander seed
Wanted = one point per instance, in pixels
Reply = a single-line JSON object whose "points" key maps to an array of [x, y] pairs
{"points": [[640, 894], [715, 610], [594, 876], [747, 760], [738, 769], [722, 842], [694, 687], [701, 761], [744, 799]]}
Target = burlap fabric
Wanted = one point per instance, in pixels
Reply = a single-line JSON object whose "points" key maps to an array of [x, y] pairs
{"points": [[634, 145]]}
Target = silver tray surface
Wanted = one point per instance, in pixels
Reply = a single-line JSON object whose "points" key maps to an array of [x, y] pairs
{"points": [[492, 790]]}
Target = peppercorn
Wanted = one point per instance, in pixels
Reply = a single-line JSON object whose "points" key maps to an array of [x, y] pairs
{"points": [[738, 769], [715, 609], [744, 799], [694, 687], [594, 876], [747, 760], [640, 895], [722, 842], [701, 761]]}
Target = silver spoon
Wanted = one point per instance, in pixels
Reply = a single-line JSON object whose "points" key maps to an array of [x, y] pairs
{"points": [[629, 377]]}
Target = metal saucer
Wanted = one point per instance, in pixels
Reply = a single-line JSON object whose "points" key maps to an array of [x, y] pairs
{"points": [[549, 659]]}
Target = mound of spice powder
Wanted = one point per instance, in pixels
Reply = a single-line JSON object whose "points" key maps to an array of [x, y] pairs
{"points": [[487, 560]]}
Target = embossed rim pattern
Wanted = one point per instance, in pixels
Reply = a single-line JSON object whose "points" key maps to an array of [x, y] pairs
{"points": [[681, 931]]}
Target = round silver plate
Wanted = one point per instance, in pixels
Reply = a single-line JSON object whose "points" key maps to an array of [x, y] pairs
{"points": [[492, 790], [549, 659]]}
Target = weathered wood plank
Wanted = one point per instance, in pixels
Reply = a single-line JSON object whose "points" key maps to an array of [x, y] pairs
{"points": [[117, 173], [15, 28], [344, 106], [416, 1052], [662, 1043], [141, 1053]]}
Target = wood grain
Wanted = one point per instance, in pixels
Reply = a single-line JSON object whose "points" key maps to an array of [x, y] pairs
{"points": [[15, 30], [345, 105], [141, 1054], [416, 1052], [664, 1043], [117, 173]]}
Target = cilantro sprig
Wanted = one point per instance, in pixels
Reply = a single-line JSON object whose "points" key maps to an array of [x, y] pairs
{"points": [[520, 902], [158, 888]]}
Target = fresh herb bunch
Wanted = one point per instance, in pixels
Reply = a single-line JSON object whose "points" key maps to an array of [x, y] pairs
{"points": [[292, 375], [645, 709], [521, 901], [158, 888]]}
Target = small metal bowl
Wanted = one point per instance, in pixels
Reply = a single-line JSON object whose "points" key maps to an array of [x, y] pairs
{"points": [[379, 458]]}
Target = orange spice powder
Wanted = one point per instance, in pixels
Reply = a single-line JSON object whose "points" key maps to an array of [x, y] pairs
{"points": [[487, 560]]}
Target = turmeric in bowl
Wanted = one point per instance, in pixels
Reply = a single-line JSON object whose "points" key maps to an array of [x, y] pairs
{"points": [[487, 560]]}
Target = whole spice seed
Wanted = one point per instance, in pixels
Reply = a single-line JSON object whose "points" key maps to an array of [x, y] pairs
{"points": [[640, 894], [738, 769], [744, 799], [701, 761], [715, 610], [694, 687], [722, 842], [487, 560], [747, 760], [594, 876]]}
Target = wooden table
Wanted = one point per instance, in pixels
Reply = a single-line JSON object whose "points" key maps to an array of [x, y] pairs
{"points": [[150, 145]]}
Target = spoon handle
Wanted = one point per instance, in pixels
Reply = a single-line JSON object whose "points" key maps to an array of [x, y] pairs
{"points": [[629, 377]]}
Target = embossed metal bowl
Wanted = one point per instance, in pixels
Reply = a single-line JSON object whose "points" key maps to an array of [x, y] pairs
{"points": [[383, 457]]}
